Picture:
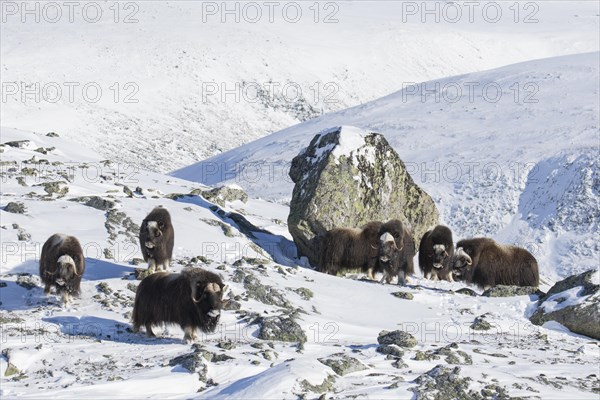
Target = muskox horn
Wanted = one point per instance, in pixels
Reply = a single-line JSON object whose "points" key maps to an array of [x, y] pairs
{"points": [[460, 252]]}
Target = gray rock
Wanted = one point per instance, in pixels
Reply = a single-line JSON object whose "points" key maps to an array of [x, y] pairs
{"points": [[343, 364], [27, 281], [442, 383], [281, 328], [263, 293], [397, 337], [481, 324], [403, 295], [509, 291], [365, 184], [96, 202], [193, 362], [582, 318], [19, 144], [52, 134], [15, 207], [390, 350], [466, 292], [60, 188], [222, 194]]}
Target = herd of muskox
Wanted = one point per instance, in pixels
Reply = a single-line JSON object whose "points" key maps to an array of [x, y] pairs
{"points": [[194, 298], [388, 248]]}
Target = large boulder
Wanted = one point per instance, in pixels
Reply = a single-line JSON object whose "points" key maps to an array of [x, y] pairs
{"points": [[347, 177], [573, 302]]}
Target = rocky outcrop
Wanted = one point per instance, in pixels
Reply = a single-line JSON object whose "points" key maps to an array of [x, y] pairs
{"points": [[573, 302], [224, 193], [347, 177], [397, 337]]}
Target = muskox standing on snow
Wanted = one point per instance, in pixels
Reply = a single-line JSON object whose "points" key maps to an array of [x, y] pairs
{"points": [[435, 252], [157, 238], [193, 299], [61, 266], [347, 248], [396, 252], [486, 263]]}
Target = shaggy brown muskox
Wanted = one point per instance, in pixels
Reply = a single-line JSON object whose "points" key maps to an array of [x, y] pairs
{"points": [[346, 248], [405, 247], [192, 299], [435, 252], [61, 266], [157, 238], [390, 259], [486, 263]]}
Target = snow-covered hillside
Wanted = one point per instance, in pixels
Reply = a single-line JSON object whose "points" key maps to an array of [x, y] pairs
{"points": [[166, 84], [88, 351], [511, 153]]}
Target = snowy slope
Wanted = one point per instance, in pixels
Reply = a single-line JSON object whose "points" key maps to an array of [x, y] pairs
{"points": [[520, 165], [87, 351], [158, 55]]}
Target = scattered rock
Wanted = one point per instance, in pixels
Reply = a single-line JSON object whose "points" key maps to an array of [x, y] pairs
{"points": [[15, 207], [342, 364], [141, 273], [509, 291], [222, 194], [96, 202], [60, 188], [231, 305], [403, 295], [226, 344], [281, 328], [481, 324], [263, 293], [104, 288], [348, 177], [573, 302], [305, 293], [19, 144], [397, 337], [52, 134], [193, 363], [442, 383], [466, 292], [391, 350], [27, 281]]}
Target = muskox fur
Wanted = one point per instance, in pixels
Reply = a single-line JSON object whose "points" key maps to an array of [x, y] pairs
{"points": [[396, 251], [157, 238], [435, 253], [193, 299], [62, 265], [486, 263], [346, 249]]}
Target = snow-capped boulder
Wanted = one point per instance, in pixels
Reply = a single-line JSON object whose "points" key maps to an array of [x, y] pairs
{"points": [[222, 194], [573, 302], [347, 177]]}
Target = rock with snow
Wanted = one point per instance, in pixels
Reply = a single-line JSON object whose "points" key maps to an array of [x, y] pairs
{"points": [[573, 302], [223, 194], [509, 291], [343, 364], [283, 329], [347, 177], [397, 337], [15, 207]]}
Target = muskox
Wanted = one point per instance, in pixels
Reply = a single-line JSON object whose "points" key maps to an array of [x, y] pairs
{"points": [[192, 299], [61, 266], [396, 252], [156, 239], [435, 253], [347, 248], [486, 263]]}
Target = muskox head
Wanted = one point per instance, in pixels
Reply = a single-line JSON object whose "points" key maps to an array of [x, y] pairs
{"points": [[387, 247], [439, 255], [208, 297], [396, 229], [461, 262], [155, 229], [66, 270]]}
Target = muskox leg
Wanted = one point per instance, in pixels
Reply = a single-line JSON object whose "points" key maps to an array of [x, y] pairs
{"points": [[149, 332], [383, 277], [450, 277], [401, 278], [190, 334], [428, 275], [166, 265], [151, 265], [370, 274], [47, 289]]}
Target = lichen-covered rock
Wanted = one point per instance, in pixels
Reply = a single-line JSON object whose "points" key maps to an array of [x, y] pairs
{"points": [[283, 329], [58, 188], [343, 364], [509, 291], [397, 337], [27, 281], [481, 324], [390, 350], [15, 207], [573, 302], [442, 383], [222, 194], [96, 202], [19, 144], [403, 295], [347, 177]]}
